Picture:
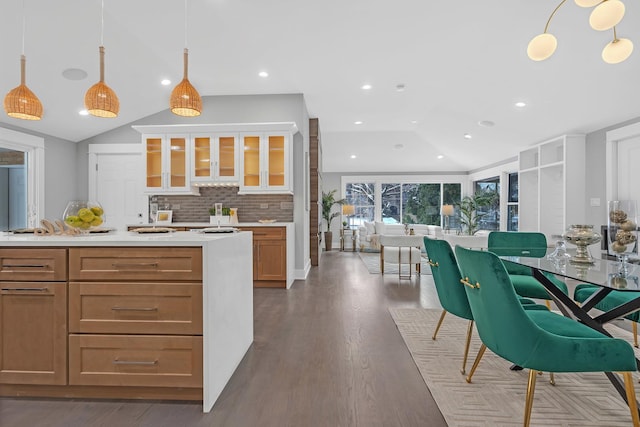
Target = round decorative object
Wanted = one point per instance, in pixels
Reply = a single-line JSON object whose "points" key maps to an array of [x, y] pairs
{"points": [[582, 236], [83, 215], [618, 216], [622, 231]]}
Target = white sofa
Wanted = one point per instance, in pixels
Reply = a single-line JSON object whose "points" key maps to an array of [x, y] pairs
{"points": [[368, 238]]}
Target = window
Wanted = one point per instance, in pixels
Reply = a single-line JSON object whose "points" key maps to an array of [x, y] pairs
{"points": [[489, 216], [391, 203], [362, 197], [512, 203]]}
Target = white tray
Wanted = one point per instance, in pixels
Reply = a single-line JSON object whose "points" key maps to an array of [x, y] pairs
{"points": [[219, 230]]}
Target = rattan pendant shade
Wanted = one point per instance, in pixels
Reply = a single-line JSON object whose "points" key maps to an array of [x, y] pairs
{"points": [[100, 100], [185, 99], [20, 102]]}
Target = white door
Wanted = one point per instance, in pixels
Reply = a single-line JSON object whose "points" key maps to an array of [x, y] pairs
{"points": [[119, 188], [628, 171]]}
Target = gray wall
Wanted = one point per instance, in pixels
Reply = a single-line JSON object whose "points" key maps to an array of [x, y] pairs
{"points": [[230, 109], [60, 172]]}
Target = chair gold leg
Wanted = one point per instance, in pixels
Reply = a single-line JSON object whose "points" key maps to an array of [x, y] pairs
{"points": [[466, 347], [476, 362], [552, 379], [531, 388], [548, 303], [634, 326], [439, 324], [631, 398]]}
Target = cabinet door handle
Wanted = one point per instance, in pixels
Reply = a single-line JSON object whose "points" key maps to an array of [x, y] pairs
{"points": [[25, 266], [135, 264], [135, 362], [26, 289], [134, 308]]}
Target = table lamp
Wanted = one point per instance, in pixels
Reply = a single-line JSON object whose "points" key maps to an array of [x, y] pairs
{"points": [[447, 211], [348, 210]]}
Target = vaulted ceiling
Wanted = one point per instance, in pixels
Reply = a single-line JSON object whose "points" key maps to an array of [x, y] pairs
{"points": [[458, 63]]}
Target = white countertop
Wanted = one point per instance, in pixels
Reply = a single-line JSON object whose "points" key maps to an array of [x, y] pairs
{"points": [[206, 224], [116, 238]]}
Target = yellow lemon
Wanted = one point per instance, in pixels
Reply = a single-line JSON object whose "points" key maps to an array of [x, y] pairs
{"points": [[96, 221], [71, 220], [86, 215], [97, 210]]}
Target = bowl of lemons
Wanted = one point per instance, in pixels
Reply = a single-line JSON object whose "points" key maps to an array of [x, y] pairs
{"points": [[83, 215]]}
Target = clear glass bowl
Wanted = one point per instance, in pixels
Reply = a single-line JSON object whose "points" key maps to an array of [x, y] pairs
{"points": [[83, 215]]}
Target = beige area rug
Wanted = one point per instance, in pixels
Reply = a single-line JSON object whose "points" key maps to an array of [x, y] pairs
{"points": [[372, 262], [496, 396]]}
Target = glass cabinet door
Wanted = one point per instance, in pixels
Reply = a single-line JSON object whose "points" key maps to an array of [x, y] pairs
{"points": [[251, 161], [154, 162], [178, 162], [226, 159], [201, 158], [276, 159]]}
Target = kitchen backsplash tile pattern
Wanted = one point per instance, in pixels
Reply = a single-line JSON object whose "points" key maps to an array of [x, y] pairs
{"points": [[251, 207]]}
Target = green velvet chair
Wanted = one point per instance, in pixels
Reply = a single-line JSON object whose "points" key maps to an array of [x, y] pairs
{"points": [[519, 243], [535, 339], [611, 301], [446, 276]]}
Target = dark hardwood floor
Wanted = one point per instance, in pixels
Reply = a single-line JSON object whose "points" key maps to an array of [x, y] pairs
{"points": [[325, 353]]}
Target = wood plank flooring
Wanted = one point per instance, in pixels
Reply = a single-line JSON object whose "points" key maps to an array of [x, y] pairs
{"points": [[326, 353]]}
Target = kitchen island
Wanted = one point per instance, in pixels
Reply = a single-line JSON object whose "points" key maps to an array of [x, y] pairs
{"points": [[124, 315]]}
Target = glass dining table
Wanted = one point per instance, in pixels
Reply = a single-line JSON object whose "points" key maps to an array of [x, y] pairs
{"points": [[604, 273]]}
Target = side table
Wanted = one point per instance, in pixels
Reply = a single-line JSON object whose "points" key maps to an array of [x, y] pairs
{"points": [[345, 233]]}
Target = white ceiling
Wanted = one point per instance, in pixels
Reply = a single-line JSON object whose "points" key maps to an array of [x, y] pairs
{"points": [[461, 62]]}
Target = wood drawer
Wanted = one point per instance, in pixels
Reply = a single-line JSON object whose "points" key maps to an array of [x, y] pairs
{"points": [[46, 265], [135, 308], [267, 233], [133, 263], [135, 360]]}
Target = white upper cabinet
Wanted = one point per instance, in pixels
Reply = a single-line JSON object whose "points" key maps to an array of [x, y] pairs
{"points": [[254, 156]]}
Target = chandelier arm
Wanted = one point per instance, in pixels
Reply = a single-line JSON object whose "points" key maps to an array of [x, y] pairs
{"points": [[553, 13], [615, 35]]}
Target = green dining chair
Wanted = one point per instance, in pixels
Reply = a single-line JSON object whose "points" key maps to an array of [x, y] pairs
{"points": [[446, 276], [536, 339], [520, 243], [611, 301]]}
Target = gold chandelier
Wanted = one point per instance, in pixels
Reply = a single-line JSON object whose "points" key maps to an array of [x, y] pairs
{"points": [[605, 16], [185, 99], [100, 100], [20, 102]]}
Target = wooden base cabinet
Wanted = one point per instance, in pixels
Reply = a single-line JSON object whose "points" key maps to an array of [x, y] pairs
{"points": [[269, 256]]}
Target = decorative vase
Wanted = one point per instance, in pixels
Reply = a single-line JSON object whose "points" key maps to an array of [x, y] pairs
{"points": [[582, 236], [328, 240], [622, 231], [83, 215]]}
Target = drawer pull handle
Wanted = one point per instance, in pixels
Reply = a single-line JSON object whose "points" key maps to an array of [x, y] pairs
{"points": [[134, 308], [135, 264], [25, 266], [26, 289], [135, 362]]}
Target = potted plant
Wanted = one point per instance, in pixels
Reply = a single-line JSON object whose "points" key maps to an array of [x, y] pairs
{"points": [[469, 216], [328, 200], [224, 219]]}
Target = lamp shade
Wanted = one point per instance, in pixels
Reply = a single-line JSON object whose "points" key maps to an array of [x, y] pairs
{"points": [[607, 15], [587, 3], [348, 209], [447, 210], [542, 46], [100, 100], [20, 102], [617, 51], [185, 99]]}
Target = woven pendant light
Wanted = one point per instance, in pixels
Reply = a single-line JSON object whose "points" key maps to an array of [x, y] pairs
{"points": [[185, 99], [20, 102], [100, 100]]}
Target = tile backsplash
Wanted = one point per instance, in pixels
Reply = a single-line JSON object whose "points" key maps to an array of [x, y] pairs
{"points": [[251, 207]]}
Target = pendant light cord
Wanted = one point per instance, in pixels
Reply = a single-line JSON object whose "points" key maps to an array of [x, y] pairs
{"points": [[24, 26], [185, 23]]}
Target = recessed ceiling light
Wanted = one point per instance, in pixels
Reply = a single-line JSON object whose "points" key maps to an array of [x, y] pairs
{"points": [[83, 112], [440, 156], [263, 74], [165, 82], [400, 87], [358, 122], [398, 146], [413, 122], [353, 156], [467, 136], [366, 86], [486, 123], [74, 74], [521, 104]]}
